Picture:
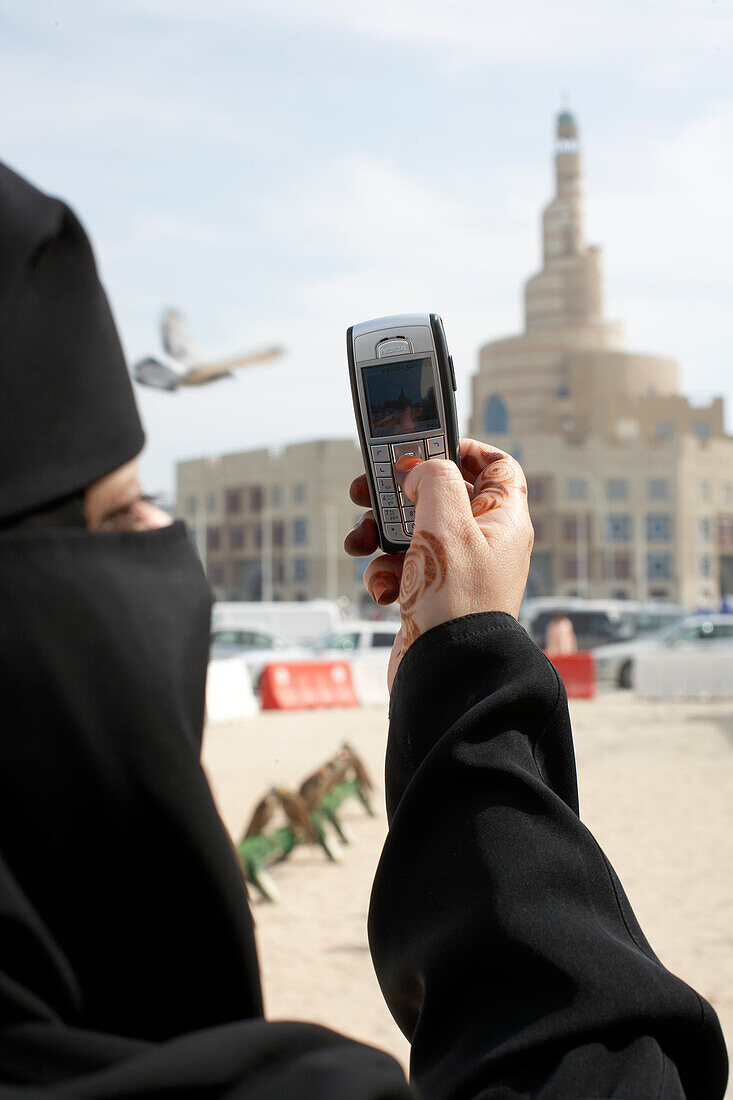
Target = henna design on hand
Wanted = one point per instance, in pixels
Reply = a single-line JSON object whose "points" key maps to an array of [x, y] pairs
{"points": [[477, 458], [492, 497], [493, 484], [425, 568]]}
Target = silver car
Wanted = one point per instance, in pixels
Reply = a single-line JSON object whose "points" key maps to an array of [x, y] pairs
{"points": [[615, 663], [256, 648]]}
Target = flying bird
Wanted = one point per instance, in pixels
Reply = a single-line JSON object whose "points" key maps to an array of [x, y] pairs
{"points": [[183, 364]]}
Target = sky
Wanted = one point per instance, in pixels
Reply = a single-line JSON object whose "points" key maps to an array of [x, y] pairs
{"points": [[278, 171]]}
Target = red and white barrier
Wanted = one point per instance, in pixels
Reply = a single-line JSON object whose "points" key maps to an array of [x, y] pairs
{"points": [[299, 685], [369, 674], [578, 673], [229, 693]]}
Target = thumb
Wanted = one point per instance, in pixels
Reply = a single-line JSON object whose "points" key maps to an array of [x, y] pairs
{"points": [[438, 491]]}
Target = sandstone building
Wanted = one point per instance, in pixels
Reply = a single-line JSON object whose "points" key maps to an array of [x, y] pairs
{"points": [[631, 486], [271, 524]]}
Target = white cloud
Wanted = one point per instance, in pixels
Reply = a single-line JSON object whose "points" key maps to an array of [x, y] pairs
{"points": [[671, 36]]}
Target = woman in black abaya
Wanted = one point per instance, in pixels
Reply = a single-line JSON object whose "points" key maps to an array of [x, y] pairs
{"points": [[124, 920]]}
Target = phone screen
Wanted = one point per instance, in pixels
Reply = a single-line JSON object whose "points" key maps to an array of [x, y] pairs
{"points": [[401, 397]]}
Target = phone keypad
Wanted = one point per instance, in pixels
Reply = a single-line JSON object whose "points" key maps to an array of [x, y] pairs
{"points": [[381, 453], [436, 447], [398, 511], [394, 531], [415, 448]]}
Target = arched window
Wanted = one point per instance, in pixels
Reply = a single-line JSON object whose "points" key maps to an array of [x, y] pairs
{"points": [[496, 416]]}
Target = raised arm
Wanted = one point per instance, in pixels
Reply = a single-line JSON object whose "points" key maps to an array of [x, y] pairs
{"points": [[504, 944]]}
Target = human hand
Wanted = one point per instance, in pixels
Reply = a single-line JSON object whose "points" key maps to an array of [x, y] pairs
{"points": [[471, 545]]}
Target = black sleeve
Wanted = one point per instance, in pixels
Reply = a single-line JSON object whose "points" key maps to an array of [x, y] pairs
{"points": [[502, 938]]}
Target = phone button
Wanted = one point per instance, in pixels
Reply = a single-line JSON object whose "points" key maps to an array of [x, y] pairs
{"points": [[408, 514], [416, 448], [383, 469], [405, 502], [385, 484], [409, 527], [394, 532], [381, 453], [391, 515], [452, 372], [388, 500], [436, 445]]}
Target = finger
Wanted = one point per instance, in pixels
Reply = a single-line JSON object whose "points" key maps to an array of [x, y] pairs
{"points": [[501, 484], [359, 491], [476, 456], [361, 540], [439, 494], [382, 578]]}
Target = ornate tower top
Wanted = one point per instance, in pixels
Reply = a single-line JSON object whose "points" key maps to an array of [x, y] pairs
{"points": [[568, 290], [567, 128]]}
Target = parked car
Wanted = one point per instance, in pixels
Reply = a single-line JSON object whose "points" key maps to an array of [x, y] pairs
{"points": [[257, 648], [648, 619], [300, 620], [356, 639], [615, 663], [597, 622]]}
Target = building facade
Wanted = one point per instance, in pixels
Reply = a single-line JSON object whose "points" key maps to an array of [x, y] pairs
{"points": [[271, 524], [631, 486]]}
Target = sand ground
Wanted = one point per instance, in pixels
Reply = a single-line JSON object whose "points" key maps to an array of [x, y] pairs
{"points": [[655, 788]]}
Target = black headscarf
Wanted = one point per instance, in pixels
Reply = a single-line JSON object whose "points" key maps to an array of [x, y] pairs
{"points": [[67, 412]]}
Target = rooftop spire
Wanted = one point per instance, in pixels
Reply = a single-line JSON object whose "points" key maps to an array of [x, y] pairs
{"points": [[568, 290]]}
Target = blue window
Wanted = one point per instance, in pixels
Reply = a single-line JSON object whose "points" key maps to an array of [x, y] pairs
{"points": [[706, 566], [663, 429], [701, 428], [575, 489], [300, 569], [496, 416], [299, 493], [617, 489], [300, 531], [705, 529], [619, 528], [657, 488], [659, 567], [658, 528]]}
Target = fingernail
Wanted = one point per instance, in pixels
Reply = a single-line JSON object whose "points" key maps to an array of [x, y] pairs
{"points": [[383, 592], [402, 467]]}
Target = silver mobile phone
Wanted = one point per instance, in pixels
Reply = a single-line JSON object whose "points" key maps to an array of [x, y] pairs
{"points": [[403, 385]]}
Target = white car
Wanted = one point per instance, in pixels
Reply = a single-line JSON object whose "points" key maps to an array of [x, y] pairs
{"points": [[356, 639], [615, 663], [256, 648]]}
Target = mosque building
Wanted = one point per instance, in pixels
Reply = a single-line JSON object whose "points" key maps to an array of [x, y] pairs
{"points": [[631, 486]]}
